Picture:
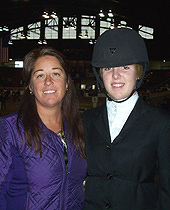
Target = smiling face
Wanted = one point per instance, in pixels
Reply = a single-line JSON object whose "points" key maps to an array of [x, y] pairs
{"points": [[48, 82], [120, 81]]}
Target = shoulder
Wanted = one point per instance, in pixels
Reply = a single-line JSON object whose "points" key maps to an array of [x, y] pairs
{"points": [[150, 113], [91, 113], [92, 116], [9, 119], [8, 127]]}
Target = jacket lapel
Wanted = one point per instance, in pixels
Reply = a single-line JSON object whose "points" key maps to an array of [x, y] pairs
{"points": [[133, 118], [101, 123]]}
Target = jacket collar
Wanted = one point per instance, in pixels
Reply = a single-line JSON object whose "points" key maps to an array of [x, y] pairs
{"points": [[102, 125], [133, 118]]}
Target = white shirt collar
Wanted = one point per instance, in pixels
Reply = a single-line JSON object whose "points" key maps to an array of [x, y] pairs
{"points": [[128, 104], [118, 114]]}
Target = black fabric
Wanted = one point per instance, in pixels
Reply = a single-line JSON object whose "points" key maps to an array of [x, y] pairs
{"points": [[121, 175], [129, 48]]}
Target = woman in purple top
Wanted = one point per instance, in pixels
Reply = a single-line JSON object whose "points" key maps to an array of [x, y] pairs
{"points": [[42, 155]]}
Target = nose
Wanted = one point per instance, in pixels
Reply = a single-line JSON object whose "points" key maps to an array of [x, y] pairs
{"points": [[48, 80], [115, 73]]}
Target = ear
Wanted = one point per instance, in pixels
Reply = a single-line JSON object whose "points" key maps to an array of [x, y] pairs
{"points": [[67, 86], [138, 76], [101, 73], [30, 87], [139, 71]]}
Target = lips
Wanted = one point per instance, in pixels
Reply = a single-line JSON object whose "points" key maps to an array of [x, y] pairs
{"points": [[117, 85], [49, 91]]}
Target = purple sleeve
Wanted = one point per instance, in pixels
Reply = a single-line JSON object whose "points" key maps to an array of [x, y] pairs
{"points": [[13, 184]]}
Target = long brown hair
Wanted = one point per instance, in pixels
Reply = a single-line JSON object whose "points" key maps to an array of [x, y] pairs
{"points": [[28, 114]]}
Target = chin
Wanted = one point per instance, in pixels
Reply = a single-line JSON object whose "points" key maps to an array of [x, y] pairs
{"points": [[119, 98]]}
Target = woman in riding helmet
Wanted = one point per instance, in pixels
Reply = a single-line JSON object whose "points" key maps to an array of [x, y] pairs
{"points": [[127, 141]]}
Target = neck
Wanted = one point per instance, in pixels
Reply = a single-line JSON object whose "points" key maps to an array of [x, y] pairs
{"points": [[121, 100], [52, 119]]}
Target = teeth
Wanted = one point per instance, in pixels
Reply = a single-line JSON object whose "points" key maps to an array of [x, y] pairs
{"points": [[49, 91], [117, 85]]}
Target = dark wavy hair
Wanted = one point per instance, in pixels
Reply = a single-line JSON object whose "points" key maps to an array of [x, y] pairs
{"points": [[29, 116]]}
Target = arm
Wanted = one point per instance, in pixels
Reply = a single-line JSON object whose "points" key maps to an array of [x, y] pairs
{"points": [[5, 162], [13, 186]]}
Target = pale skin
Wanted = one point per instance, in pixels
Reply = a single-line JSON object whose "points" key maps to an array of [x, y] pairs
{"points": [[49, 86], [119, 81]]}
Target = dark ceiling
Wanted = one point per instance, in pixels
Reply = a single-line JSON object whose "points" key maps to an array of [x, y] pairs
{"points": [[151, 13]]}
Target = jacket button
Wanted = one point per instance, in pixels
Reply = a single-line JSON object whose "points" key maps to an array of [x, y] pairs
{"points": [[108, 147], [109, 176], [108, 206]]}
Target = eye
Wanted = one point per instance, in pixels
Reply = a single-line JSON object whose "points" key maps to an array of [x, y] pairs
{"points": [[125, 67], [39, 76], [56, 74], [107, 68]]}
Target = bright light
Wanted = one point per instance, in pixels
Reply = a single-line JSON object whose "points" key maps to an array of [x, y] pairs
{"points": [[83, 86], [39, 42], [44, 42], [18, 64], [91, 41], [101, 14], [10, 42], [110, 14], [5, 28], [53, 15], [45, 15], [93, 87]]}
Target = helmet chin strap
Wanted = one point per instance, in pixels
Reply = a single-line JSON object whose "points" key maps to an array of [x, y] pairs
{"points": [[118, 101]]}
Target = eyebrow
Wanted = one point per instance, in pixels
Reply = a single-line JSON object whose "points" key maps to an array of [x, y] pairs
{"points": [[43, 69]]}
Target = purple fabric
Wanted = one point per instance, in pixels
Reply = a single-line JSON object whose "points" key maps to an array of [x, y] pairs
{"points": [[30, 182]]}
